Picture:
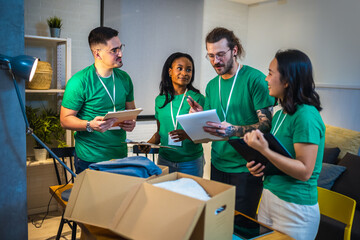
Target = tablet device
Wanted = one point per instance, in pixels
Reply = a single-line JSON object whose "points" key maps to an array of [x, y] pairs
{"points": [[250, 154], [248, 228]]}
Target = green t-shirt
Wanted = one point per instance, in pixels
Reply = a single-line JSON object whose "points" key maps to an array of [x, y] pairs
{"points": [[304, 126], [85, 93], [188, 150], [250, 94]]}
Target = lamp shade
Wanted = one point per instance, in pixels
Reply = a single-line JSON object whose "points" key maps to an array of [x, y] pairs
{"points": [[23, 66]]}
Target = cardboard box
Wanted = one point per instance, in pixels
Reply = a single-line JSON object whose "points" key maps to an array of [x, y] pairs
{"points": [[211, 224], [135, 209], [164, 171]]}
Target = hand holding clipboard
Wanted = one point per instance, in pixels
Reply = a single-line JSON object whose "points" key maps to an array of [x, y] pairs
{"points": [[250, 154]]}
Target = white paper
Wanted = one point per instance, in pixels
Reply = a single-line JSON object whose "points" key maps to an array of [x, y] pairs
{"points": [[193, 124]]}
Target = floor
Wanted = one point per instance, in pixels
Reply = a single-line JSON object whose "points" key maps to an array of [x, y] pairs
{"points": [[49, 227]]}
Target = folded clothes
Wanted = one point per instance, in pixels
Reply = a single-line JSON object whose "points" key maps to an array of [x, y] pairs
{"points": [[137, 166], [185, 186]]}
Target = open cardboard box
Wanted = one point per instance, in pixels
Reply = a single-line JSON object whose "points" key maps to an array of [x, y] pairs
{"points": [[212, 224], [135, 209]]}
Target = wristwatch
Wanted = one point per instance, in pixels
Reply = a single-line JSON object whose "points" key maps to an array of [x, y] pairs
{"points": [[88, 128]]}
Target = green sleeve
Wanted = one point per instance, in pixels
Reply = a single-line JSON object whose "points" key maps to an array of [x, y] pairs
{"points": [[129, 87], [74, 95], [309, 127], [207, 98], [260, 93]]}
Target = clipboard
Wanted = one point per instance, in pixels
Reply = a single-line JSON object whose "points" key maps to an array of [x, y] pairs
{"points": [[250, 154], [193, 124], [152, 145], [123, 115]]}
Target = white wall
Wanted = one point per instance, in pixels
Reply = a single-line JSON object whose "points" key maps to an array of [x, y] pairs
{"points": [[79, 18], [328, 31], [152, 31], [221, 13]]}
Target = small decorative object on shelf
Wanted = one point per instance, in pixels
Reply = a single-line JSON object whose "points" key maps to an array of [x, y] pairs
{"points": [[42, 77], [55, 24]]}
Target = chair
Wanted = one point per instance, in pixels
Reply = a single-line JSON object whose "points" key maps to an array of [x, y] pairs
{"points": [[65, 154], [258, 206], [153, 152], [338, 207]]}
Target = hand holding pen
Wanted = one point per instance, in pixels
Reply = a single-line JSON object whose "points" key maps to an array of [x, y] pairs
{"points": [[195, 107]]}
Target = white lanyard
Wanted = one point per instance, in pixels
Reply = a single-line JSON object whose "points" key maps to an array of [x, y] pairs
{"points": [[232, 88], [275, 130], [172, 114], [112, 99]]}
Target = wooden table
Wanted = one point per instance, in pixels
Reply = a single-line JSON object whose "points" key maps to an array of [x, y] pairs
{"points": [[88, 231]]}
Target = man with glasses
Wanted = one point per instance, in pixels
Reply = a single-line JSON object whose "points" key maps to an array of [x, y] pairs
{"points": [[240, 95], [93, 92]]}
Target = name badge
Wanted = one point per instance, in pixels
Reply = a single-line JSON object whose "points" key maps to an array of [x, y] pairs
{"points": [[172, 143]]}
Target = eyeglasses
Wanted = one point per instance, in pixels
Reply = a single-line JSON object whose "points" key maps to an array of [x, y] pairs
{"points": [[115, 51], [219, 56]]}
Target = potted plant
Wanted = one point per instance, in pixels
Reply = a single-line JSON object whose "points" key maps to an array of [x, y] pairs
{"points": [[54, 24], [46, 126]]}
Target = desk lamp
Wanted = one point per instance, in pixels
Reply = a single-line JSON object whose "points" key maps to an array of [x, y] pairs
{"points": [[24, 66]]}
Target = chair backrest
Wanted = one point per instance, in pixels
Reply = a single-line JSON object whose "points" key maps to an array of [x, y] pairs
{"points": [[338, 207], [66, 153], [153, 152]]}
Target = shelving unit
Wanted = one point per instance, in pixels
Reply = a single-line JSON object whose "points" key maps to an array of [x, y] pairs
{"points": [[57, 51]]}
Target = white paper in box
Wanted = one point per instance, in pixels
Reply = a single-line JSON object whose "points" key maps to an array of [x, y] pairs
{"points": [[211, 226]]}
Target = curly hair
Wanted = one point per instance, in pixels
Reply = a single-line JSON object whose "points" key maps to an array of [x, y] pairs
{"points": [[166, 86], [295, 69], [219, 33]]}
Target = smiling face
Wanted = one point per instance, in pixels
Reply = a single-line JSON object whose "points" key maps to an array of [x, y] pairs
{"points": [[275, 85], [181, 72], [221, 56], [109, 54]]}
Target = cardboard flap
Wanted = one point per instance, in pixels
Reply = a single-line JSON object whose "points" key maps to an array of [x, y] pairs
{"points": [[97, 195], [155, 213]]}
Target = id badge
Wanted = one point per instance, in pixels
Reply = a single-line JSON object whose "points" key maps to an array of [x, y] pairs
{"points": [[172, 143]]}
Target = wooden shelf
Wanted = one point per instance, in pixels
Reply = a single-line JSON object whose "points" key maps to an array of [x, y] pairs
{"points": [[37, 163], [47, 39], [49, 91]]}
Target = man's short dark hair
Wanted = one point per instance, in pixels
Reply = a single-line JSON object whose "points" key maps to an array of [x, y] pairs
{"points": [[219, 33], [101, 35]]}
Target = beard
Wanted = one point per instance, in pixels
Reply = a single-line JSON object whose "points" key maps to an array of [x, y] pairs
{"points": [[119, 62], [226, 67]]}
